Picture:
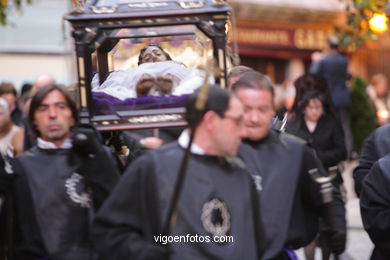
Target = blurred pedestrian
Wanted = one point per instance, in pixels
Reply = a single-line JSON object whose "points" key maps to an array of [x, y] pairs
{"points": [[374, 147], [333, 66], [378, 90], [375, 207], [316, 124], [8, 92], [25, 95], [11, 136], [305, 83]]}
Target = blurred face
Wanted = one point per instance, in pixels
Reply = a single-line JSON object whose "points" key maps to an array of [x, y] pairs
{"points": [[258, 112], [314, 110], [381, 88], [10, 98], [229, 130], [153, 54], [53, 118], [4, 119]]}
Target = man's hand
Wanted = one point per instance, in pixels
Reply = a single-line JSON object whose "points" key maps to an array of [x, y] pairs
{"points": [[317, 56], [86, 141], [151, 142], [337, 241], [95, 163]]}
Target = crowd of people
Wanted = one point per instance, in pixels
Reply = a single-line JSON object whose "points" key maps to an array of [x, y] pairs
{"points": [[232, 185]]}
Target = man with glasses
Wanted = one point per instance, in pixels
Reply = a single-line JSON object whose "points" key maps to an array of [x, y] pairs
{"points": [[290, 198], [218, 198]]}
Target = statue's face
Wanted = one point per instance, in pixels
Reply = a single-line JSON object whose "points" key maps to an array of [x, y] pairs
{"points": [[153, 54]]}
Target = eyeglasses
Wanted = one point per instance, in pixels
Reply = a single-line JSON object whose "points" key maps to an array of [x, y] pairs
{"points": [[236, 119]]}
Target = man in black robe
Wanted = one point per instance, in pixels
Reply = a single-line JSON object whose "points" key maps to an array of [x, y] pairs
{"points": [[374, 147], [375, 207], [218, 198], [59, 182], [280, 163]]}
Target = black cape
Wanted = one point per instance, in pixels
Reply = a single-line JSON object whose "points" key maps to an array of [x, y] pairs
{"points": [[132, 217], [54, 205], [375, 207], [374, 147], [290, 198]]}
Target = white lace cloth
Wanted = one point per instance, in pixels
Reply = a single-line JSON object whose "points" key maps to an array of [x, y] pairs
{"points": [[122, 84]]}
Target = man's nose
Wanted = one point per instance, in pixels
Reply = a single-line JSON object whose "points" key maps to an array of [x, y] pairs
{"points": [[254, 116], [52, 112]]}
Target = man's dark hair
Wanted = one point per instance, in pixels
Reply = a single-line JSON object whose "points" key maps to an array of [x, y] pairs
{"points": [[254, 80], [333, 42], [26, 87], [38, 99], [141, 53], [217, 101], [8, 88]]}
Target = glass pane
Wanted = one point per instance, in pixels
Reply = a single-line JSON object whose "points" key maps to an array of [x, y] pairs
{"points": [[172, 65]]}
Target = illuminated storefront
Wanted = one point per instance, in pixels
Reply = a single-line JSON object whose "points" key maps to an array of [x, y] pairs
{"points": [[278, 38]]}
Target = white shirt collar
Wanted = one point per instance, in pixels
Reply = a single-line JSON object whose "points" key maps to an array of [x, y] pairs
{"points": [[67, 144], [183, 141]]}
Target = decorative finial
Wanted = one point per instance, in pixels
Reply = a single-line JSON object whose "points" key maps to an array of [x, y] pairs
{"points": [[78, 6]]}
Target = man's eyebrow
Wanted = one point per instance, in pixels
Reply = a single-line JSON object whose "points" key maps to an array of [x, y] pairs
{"points": [[55, 103]]}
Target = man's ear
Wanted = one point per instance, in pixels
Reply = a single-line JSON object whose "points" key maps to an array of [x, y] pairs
{"points": [[209, 119]]}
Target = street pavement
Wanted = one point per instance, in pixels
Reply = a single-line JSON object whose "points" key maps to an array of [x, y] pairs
{"points": [[359, 245]]}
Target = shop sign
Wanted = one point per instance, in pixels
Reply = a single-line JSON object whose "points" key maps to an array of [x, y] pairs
{"points": [[299, 38]]}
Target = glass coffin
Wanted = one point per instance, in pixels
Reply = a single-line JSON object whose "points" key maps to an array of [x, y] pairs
{"points": [[138, 61]]}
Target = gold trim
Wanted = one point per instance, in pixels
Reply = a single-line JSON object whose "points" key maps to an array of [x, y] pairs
{"points": [[155, 118], [104, 9], [220, 16], [190, 5], [83, 96], [221, 59], [161, 20], [148, 5], [135, 21], [81, 67], [223, 82]]}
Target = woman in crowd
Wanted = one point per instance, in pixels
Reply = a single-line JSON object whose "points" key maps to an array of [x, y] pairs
{"points": [[315, 122]]}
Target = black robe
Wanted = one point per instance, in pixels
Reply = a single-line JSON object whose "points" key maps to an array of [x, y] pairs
{"points": [[374, 147], [290, 198], [327, 138], [375, 207], [54, 203], [132, 217]]}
